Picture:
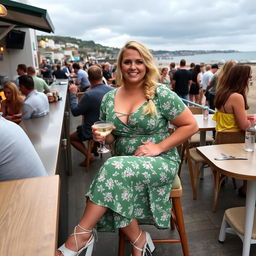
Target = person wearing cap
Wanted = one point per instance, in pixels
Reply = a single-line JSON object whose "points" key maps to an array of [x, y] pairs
{"points": [[207, 77]]}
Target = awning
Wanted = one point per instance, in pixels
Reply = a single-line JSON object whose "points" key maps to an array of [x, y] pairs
{"points": [[24, 15]]}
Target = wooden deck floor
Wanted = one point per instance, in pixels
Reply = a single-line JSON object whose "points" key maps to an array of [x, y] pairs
{"points": [[202, 225]]}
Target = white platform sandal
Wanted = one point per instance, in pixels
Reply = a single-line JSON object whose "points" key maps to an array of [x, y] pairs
{"points": [[88, 246], [149, 246]]}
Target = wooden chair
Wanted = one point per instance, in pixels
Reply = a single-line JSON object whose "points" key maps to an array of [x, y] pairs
{"points": [[224, 137], [195, 110], [90, 143], [194, 140], [176, 220], [195, 160], [233, 223], [79, 95]]}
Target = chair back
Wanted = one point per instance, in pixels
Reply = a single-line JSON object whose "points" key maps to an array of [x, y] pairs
{"points": [[195, 110], [226, 137]]}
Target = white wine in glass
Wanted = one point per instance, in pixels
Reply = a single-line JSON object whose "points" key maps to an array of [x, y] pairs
{"points": [[104, 128]]}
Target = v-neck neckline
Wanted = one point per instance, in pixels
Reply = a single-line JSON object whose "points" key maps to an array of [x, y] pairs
{"points": [[134, 112]]}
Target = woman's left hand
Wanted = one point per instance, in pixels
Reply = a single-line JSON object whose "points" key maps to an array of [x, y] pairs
{"points": [[148, 149]]}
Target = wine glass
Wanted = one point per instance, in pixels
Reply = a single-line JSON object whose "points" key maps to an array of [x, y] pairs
{"points": [[104, 128]]}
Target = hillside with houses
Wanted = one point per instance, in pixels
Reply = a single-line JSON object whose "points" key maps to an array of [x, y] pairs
{"points": [[58, 49]]}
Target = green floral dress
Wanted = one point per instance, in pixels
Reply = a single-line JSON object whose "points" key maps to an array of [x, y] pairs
{"points": [[132, 186]]}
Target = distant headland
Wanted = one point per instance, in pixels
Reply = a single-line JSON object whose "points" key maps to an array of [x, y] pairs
{"points": [[77, 48]]}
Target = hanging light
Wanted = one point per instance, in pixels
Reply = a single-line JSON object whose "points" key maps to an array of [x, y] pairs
{"points": [[3, 11]]}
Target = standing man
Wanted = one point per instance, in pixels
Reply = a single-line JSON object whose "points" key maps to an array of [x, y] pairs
{"points": [[182, 80], [207, 77], [21, 70], [82, 78], [36, 103], [172, 70], [211, 87], [39, 84], [201, 94], [89, 107], [46, 71]]}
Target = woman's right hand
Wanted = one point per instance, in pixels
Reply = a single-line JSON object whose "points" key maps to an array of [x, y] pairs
{"points": [[96, 135]]}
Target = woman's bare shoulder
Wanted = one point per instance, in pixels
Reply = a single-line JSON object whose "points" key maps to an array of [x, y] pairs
{"points": [[235, 97]]}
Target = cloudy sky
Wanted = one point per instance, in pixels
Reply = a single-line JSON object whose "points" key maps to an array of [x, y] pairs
{"points": [[160, 24]]}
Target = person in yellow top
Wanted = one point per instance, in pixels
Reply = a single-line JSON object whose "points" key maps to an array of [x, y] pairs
{"points": [[231, 99], [231, 102]]}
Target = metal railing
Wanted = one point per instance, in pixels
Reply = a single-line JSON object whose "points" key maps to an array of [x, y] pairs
{"points": [[189, 103]]}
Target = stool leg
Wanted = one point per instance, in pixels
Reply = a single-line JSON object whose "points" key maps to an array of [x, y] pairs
{"points": [[89, 149], [182, 155], [172, 223], [181, 226], [222, 235], [191, 172], [234, 183], [121, 244]]}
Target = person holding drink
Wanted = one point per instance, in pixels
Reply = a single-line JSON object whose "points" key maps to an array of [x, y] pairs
{"points": [[136, 182]]}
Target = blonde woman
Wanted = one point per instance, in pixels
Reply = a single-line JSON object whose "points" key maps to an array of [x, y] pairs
{"points": [[11, 107], [135, 184]]}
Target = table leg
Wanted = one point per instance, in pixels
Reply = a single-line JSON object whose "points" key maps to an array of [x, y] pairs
{"points": [[249, 216], [202, 143], [202, 138]]}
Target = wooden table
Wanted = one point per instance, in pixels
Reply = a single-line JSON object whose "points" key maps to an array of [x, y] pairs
{"points": [[29, 216], [50, 136], [204, 126], [241, 169]]}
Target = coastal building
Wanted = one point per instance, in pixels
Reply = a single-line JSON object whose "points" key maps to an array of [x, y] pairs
{"points": [[18, 37]]}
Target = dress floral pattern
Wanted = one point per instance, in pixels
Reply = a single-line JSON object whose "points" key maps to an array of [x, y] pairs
{"points": [[131, 186]]}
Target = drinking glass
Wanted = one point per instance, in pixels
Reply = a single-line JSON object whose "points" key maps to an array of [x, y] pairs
{"points": [[104, 128]]}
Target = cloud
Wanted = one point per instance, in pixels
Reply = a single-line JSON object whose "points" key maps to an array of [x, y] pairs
{"points": [[162, 24]]}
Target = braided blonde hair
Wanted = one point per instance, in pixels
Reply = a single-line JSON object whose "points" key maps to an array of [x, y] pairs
{"points": [[150, 79]]}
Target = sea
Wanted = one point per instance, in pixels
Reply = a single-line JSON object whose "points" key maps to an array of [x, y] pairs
{"points": [[241, 57]]}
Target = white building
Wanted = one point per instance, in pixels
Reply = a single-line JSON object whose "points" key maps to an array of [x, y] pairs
{"points": [[20, 43]]}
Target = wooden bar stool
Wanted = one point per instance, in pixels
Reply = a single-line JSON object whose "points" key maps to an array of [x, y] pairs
{"points": [[176, 220], [90, 144]]}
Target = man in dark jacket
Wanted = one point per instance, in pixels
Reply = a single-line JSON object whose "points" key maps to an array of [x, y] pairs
{"points": [[88, 106]]}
